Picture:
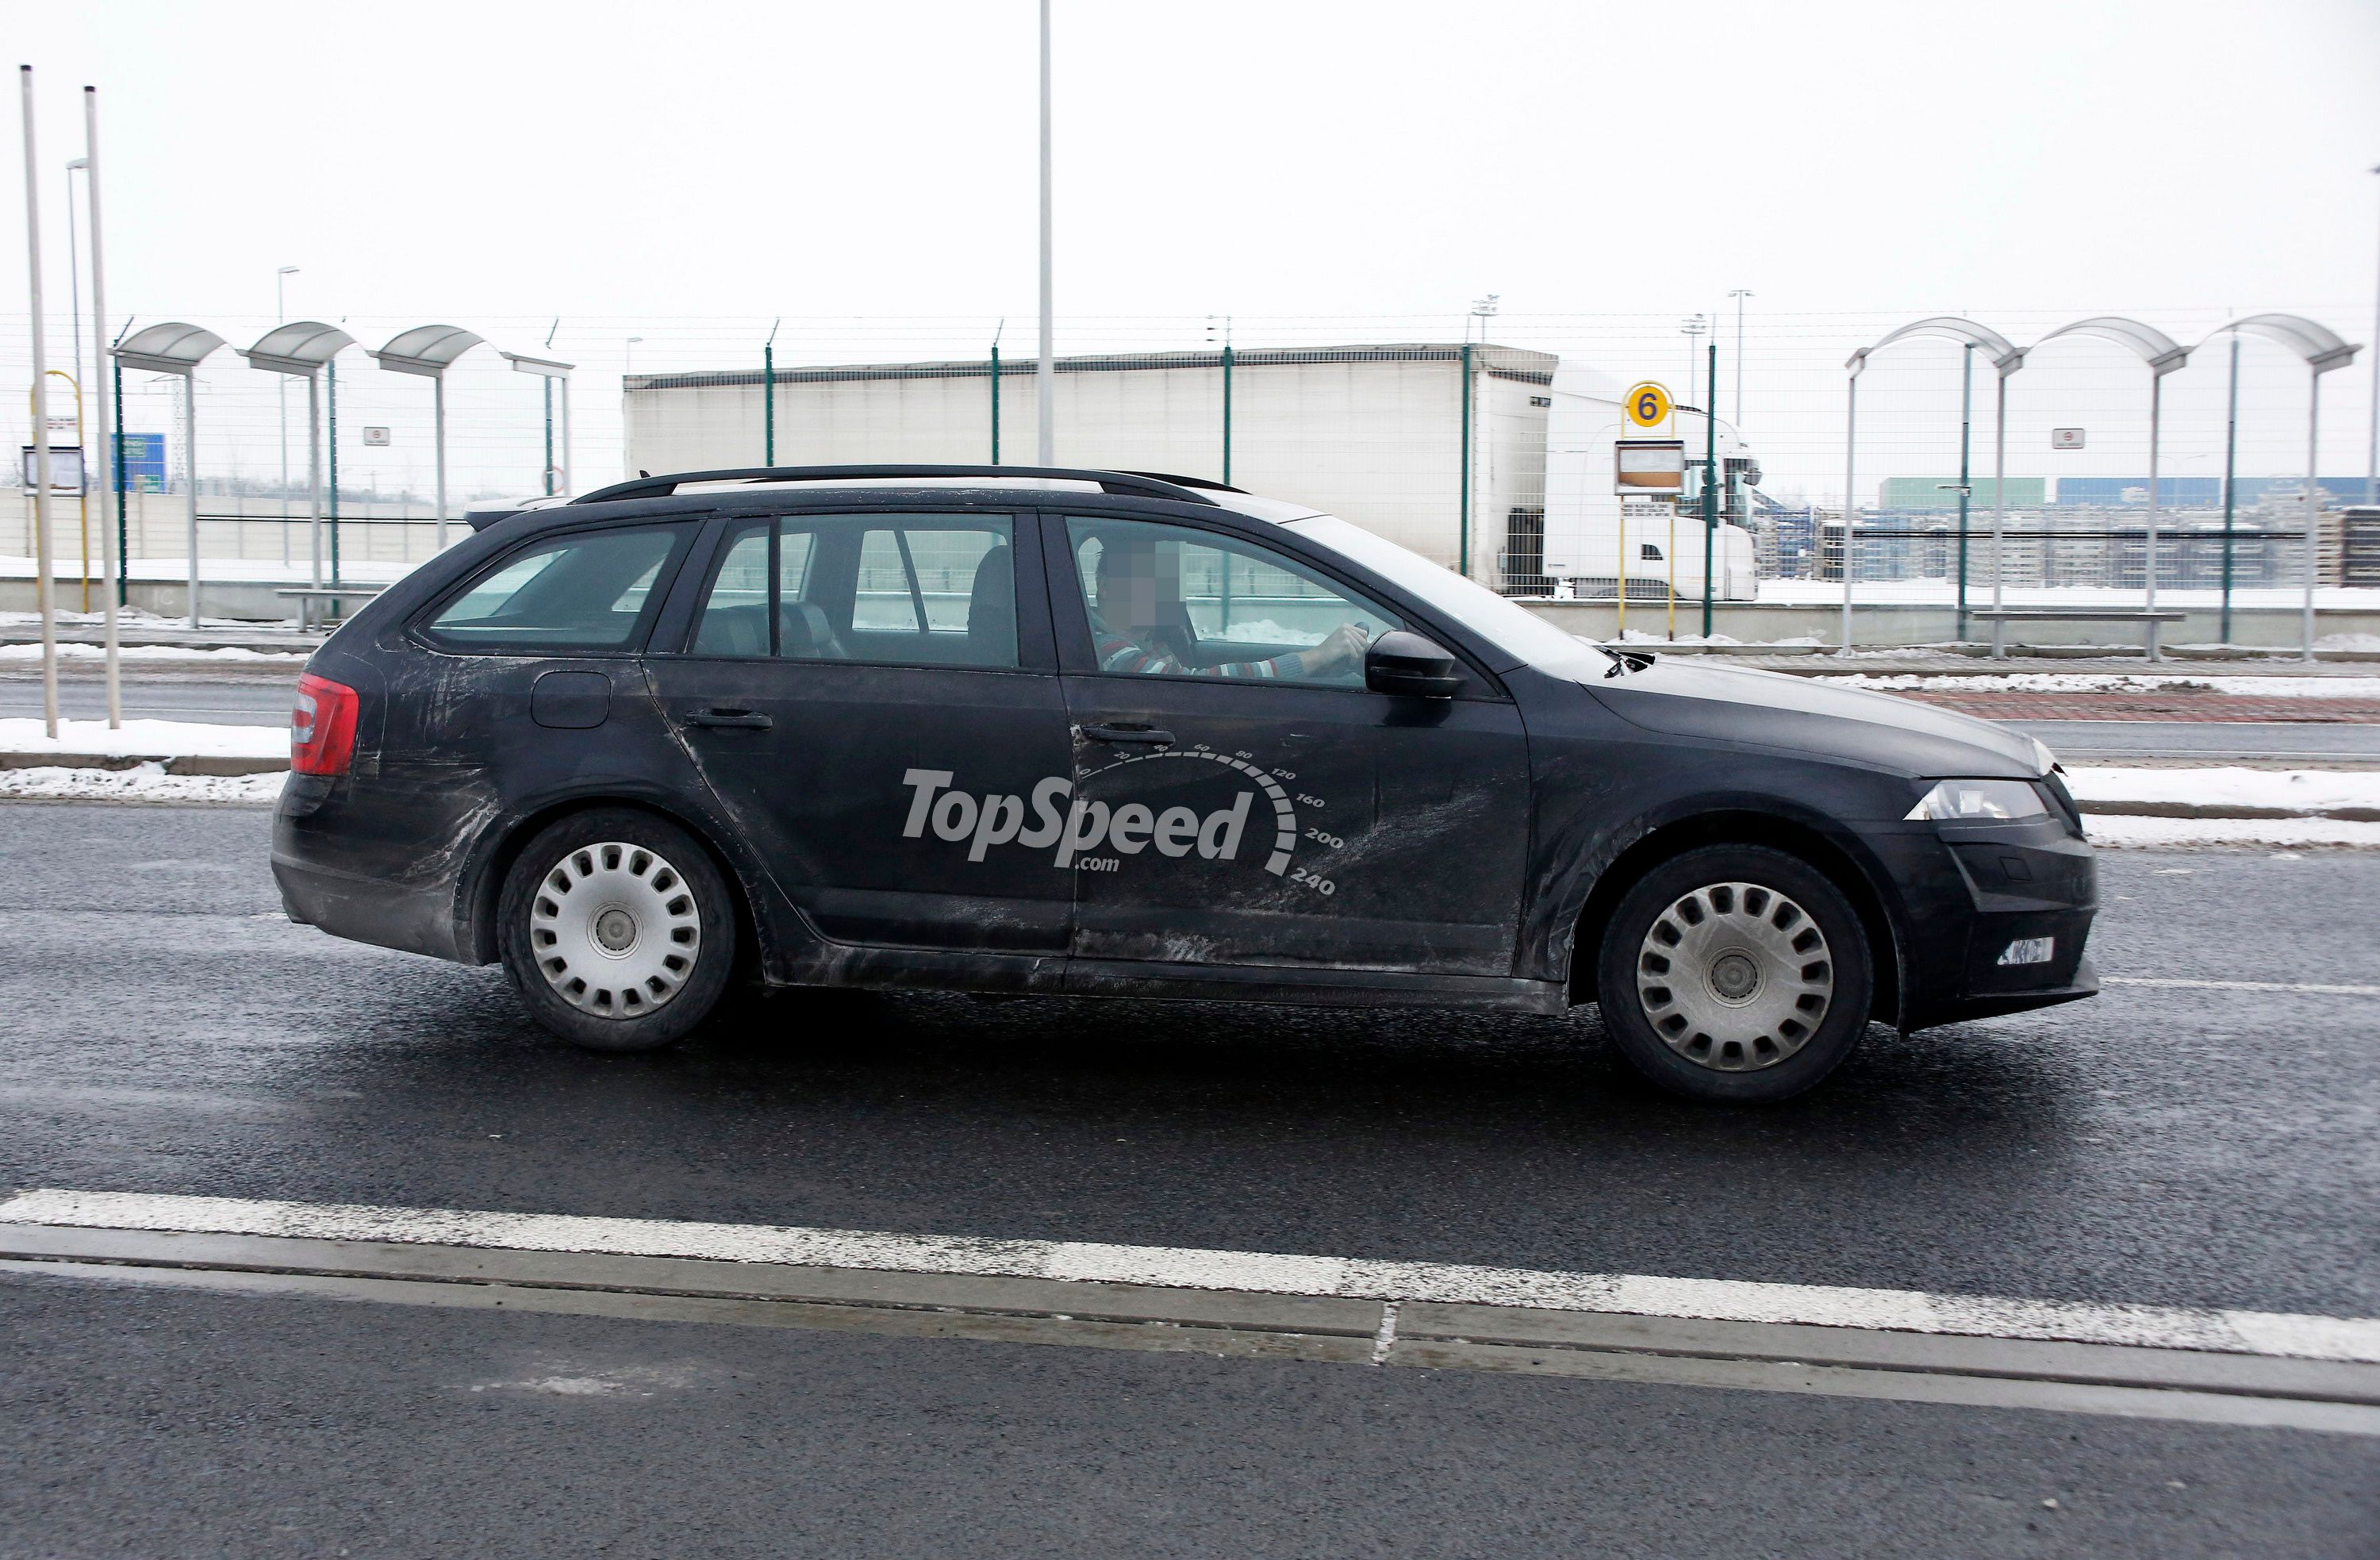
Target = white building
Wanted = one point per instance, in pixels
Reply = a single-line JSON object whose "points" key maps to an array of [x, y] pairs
{"points": [[1439, 447]]}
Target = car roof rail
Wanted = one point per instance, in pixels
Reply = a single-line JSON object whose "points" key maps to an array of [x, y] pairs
{"points": [[1181, 489]]}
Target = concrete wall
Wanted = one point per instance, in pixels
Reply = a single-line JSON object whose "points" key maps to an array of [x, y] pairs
{"points": [[1371, 433]]}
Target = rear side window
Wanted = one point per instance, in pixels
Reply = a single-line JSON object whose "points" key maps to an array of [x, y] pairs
{"points": [[588, 592], [887, 590]]}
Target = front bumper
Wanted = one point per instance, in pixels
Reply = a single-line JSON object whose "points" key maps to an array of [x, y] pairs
{"points": [[1973, 891]]}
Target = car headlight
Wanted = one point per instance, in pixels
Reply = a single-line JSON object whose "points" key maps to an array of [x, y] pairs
{"points": [[2043, 756], [1978, 801]]}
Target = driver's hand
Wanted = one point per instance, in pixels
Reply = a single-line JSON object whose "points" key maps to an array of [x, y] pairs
{"points": [[1342, 650]]}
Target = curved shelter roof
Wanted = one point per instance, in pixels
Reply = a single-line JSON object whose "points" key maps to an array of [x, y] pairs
{"points": [[2005, 355], [173, 348], [428, 350], [301, 346], [2160, 351], [2318, 345]]}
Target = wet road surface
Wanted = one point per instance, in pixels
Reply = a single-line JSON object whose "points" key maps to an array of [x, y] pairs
{"points": [[168, 1031]]}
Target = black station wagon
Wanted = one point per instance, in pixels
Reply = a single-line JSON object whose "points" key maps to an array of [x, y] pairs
{"points": [[1020, 730]]}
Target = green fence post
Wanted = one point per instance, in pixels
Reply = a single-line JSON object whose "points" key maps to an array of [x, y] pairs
{"points": [[769, 405], [1227, 415], [123, 527], [1710, 492], [995, 402], [1966, 427]]}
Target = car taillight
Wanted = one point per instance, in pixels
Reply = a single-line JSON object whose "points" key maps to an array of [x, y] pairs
{"points": [[321, 726]]}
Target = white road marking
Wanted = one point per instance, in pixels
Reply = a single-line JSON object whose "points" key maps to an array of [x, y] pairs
{"points": [[2228, 1332], [2241, 986]]}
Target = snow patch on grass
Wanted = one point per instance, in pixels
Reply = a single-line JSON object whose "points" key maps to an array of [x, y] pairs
{"points": [[2290, 790], [2280, 687]]}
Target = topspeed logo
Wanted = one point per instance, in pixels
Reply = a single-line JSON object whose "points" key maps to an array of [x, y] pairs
{"points": [[1078, 826]]}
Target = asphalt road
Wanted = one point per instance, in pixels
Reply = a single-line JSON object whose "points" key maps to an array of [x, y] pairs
{"points": [[250, 701], [2211, 741], [167, 1030]]}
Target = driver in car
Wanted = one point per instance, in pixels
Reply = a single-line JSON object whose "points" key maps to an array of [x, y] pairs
{"points": [[1135, 576]]}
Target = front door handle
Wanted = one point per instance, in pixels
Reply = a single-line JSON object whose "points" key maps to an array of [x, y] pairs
{"points": [[1128, 736], [737, 720]]}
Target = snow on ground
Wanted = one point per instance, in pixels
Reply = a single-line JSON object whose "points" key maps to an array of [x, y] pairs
{"points": [[2280, 686], [1945, 592], [161, 738], [2293, 790], [148, 783], [78, 651], [2285, 834]]}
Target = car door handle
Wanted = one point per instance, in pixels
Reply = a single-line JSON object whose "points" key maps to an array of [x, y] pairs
{"points": [[737, 720], [1128, 736]]}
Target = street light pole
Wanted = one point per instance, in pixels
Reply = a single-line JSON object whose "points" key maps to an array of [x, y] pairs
{"points": [[1692, 330], [1045, 372], [111, 561], [42, 583], [1740, 294]]}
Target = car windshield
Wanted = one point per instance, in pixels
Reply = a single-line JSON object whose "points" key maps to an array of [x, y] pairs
{"points": [[1512, 629]]}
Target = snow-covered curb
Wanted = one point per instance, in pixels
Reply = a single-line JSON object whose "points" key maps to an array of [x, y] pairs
{"points": [[2281, 833], [25, 734], [2278, 685], [143, 783], [2228, 792], [149, 654]]}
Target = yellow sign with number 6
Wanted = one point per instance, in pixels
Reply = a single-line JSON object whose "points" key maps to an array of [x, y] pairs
{"points": [[1648, 405]]}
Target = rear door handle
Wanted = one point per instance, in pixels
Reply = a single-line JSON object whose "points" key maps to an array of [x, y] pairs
{"points": [[739, 719], [1128, 736]]}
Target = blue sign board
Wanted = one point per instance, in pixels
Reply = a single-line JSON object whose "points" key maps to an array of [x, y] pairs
{"points": [[144, 461]]}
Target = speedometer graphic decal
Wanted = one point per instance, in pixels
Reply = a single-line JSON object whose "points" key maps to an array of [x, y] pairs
{"points": [[1284, 813]]}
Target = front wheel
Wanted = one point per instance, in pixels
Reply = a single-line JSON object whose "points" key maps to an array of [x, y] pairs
{"points": [[617, 929], [1735, 974]]}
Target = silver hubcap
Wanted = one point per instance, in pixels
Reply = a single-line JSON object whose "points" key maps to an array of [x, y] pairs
{"points": [[1735, 977], [615, 930]]}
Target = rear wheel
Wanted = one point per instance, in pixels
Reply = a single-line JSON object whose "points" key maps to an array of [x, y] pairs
{"points": [[617, 929], [1736, 974]]}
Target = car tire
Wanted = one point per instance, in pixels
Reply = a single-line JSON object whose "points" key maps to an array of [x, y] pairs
{"points": [[1735, 974], [617, 929]]}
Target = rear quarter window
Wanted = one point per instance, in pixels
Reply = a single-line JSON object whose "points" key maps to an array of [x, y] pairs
{"points": [[587, 591]]}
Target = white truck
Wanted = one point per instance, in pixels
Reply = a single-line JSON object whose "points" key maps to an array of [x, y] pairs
{"points": [[1594, 537]]}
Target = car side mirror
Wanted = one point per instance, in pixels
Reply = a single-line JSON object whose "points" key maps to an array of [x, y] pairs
{"points": [[1403, 662]]}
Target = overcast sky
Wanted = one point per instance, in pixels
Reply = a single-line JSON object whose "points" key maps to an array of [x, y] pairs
{"points": [[1262, 158]]}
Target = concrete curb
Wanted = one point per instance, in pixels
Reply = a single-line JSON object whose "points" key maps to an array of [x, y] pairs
{"points": [[175, 763]]}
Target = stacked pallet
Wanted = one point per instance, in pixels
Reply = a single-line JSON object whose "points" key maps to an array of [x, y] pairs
{"points": [[2347, 546]]}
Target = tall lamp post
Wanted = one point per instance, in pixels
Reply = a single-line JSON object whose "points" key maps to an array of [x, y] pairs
{"points": [[42, 585], [2321, 350], [1045, 369], [110, 544], [2163, 355], [429, 351], [177, 349], [1693, 330]]}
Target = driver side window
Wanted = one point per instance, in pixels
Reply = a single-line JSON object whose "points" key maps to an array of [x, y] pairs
{"points": [[1173, 601]]}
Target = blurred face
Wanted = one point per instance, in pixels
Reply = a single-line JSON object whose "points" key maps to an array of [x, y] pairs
{"points": [[1136, 577]]}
